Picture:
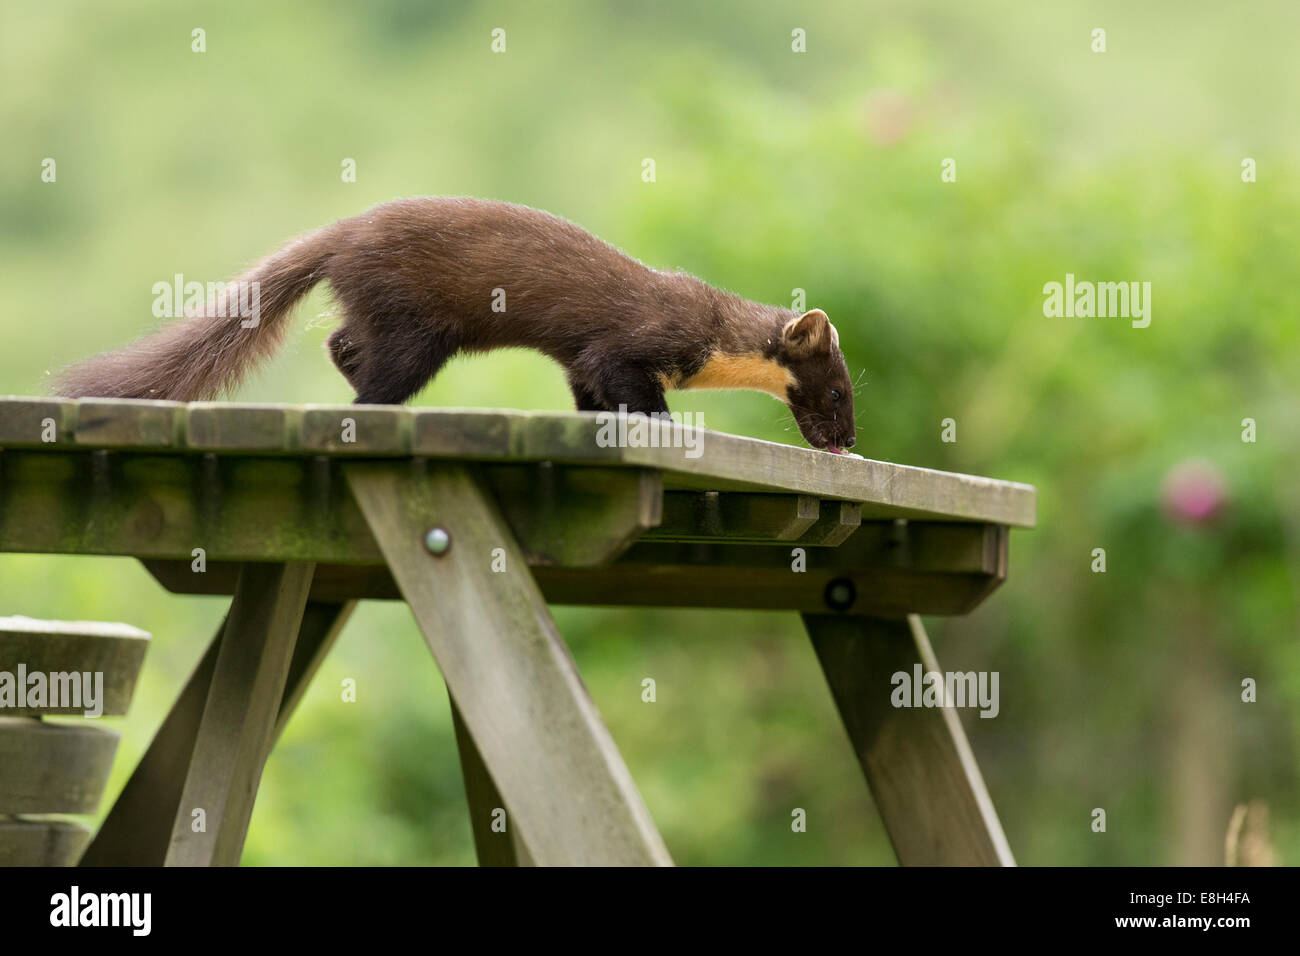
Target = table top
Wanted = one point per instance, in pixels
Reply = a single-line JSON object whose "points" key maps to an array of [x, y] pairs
{"points": [[687, 458]]}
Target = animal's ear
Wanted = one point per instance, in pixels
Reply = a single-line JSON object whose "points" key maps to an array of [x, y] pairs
{"points": [[809, 334]]}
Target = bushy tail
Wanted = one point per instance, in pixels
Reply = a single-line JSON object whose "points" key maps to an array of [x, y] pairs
{"points": [[204, 355]]}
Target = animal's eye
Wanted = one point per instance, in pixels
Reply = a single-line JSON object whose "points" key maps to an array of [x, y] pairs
{"points": [[835, 395]]}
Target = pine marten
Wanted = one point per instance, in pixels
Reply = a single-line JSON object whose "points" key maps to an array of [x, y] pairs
{"points": [[422, 279]]}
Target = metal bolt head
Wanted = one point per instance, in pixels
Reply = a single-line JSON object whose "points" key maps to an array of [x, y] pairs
{"points": [[438, 541], [840, 594]]}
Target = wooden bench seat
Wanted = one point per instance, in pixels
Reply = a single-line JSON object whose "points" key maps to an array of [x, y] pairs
{"points": [[58, 766]]}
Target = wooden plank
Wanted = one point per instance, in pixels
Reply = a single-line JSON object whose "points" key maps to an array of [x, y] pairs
{"points": [[719, 462], [875, 592], [473, 434], [53, 767], [332, 583], [942, 548], [36, 842], [106, 657], [884, 489], [731, 462], [128, 423], [356, 429], [494, 846], [221, 427], [931, 569], [838, 520], [138, 830], [576, 517], [710, 516], [508, 669], [239, 717], [158, 506], [37, 423], [891, 569], [240, 509], [622, 584], [739, 516], [917, 761]]}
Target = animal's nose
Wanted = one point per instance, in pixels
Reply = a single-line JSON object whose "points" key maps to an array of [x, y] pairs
{"points": [[852, 440]]}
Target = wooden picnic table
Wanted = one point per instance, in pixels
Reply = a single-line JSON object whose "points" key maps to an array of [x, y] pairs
{"points": [[478, 519]]}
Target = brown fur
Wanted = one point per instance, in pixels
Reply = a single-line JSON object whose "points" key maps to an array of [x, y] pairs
{"points": [[416, 280]]}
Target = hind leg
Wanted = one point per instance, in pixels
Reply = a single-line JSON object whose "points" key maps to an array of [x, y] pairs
{"points": [[585, 399], [345, 354], [398, 359]]}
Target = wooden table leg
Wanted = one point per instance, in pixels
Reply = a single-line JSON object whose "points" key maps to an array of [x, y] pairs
{"points": [[138, 830], [322, 622], [516, 687], [917, 761], [493, 846], [239, 717]]}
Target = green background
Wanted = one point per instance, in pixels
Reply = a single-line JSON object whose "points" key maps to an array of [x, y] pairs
{"points": [[775, 170]]}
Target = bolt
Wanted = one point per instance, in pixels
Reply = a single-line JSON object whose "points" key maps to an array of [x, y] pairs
{"points": [[840, 594], [438, 541]]}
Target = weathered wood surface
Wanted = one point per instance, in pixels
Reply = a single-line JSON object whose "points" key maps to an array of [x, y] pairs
{"points": [[48, 767], [575, 516], [836, 521], [296, 509], [240, 714], [35, 842], [493, 845], [693, 459], [322, 623], [137, 831], [894, 569], [509, 671], [87, 648], [710, 516], [289, 509], [917, 760]]}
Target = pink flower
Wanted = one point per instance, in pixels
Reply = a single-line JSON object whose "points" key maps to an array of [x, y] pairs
{"points": [[1194, 492]]}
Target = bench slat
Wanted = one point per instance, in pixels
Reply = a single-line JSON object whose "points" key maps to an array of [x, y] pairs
{"points": [[41, 842], [115, 651], [53, 768]]}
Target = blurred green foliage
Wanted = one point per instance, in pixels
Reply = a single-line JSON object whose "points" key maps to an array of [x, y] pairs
{"points": [[775, 171]]}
